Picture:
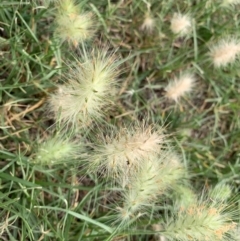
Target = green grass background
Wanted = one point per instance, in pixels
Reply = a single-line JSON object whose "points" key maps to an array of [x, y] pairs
{"points": [[57, 203]]}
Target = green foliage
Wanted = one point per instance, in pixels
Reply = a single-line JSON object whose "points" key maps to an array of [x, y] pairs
{"points": [[43, 201]]}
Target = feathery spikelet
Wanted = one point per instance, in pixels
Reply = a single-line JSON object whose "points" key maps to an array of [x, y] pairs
{"points": [[56, 150], [148, 23], [72, 24], [202, 221], [220, 192], [67, 6], [181, 24], [126, 149], [91, 86], [225, 52], [236, 233], [183, 195], [155, 175], [180, 86]]}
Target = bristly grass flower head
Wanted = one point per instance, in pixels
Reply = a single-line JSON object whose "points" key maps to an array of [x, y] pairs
{"points": [[67, 6], [91, 85], [154, 176], [183, 195], [56, 150], [126, 148], [181, 24], [148, 24], [221, 192], [178, 87], [72, 24], [206, 219], [225, 51]]}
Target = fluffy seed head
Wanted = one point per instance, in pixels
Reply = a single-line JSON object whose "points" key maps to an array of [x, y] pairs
{"points": [[148, 24], [206, 219], [180, 86], [72, 24], [221, 192], [183, 195], [181, 24], [225, 52], [151, 179], [236, 233], [91, 85], [67, 6], [126, 148], [56, 150]]}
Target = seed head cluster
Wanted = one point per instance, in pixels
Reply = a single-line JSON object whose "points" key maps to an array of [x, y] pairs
{"points": [[55, 150], [91, 85], [178, 87], [138, 159], [155, 175], [127, 147], [73, 25], [181, 24], [225, 52], [204, 220], [148, 24]]}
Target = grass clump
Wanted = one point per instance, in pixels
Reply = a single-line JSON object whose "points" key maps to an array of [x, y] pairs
{"points": [[123, 154]]}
